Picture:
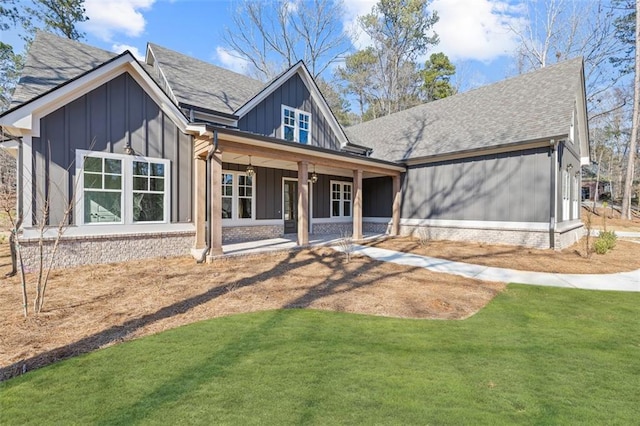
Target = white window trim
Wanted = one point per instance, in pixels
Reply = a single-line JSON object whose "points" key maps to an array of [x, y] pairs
{"points": [[296, 128], [342, 199], [127, 187], [234, 220], [572, 126], [566, 213], [575, 190]]}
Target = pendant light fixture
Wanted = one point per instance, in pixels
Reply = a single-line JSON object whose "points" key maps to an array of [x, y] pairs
{"points": [[314, 176], [250, 170]]}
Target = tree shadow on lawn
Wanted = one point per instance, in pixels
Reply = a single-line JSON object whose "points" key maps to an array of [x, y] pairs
{"points": [[415, 246], [337, 280]]}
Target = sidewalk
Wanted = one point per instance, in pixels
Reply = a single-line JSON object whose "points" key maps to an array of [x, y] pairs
{"points": [[624, 281]]}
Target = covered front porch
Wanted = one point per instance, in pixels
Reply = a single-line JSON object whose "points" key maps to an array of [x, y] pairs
{"points": [[288, 242], [250, 187]]}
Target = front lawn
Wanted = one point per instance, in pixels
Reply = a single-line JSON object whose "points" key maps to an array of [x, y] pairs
{"points": [[533, 355]]}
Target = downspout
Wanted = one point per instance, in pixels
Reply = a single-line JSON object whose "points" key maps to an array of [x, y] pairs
{"points": [[208, 193], [554, 194]]}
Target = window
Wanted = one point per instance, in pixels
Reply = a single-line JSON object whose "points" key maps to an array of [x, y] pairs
{"points": [[237, 196], [341, 199], [148, 191], [296, 125], [102, 185], [227, 195], [122, 189]]}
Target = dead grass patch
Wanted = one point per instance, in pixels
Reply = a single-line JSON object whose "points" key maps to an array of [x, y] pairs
{"points": [[100, 305], [613, 221], [623, 258]]}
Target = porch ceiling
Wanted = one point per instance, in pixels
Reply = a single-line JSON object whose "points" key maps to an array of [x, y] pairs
{"points": [[230, 157]]}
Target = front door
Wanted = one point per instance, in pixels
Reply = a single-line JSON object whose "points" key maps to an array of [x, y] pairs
{"points": [[290, 206]]}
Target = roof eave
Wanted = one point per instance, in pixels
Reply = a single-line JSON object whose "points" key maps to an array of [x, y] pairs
{"points": [[495, 149], [208, 129]]}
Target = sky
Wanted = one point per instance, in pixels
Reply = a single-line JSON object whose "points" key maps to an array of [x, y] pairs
{"points": [[475, 34]]}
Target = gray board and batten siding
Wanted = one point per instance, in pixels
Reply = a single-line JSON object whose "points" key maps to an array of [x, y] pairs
{"points": [[266, 118], [377, 197], [268, 186], [106, 119], [507, 187]]}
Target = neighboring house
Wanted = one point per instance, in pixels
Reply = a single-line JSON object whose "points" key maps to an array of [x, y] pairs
{"points": [[171, 154], [589, 189]]}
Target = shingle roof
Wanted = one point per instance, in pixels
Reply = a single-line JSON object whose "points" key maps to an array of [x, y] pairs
{"points": [[195, 82], [53, 60], [531, 106]]}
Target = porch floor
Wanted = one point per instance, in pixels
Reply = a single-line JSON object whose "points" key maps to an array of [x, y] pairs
{"points": [[288, 242]]}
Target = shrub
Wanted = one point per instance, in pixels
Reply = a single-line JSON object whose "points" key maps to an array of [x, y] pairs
{"points": [[605, 242]]}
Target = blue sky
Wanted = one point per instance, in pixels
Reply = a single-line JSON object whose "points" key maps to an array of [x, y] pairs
{"points": [[475, 34]]}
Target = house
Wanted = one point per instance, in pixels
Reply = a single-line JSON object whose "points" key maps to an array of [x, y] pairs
{"points": [[173, 155]]}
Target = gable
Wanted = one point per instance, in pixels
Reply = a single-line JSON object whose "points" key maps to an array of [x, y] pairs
{"points": [[266, 117], [294, 89], [110, 118], [24, 119]]}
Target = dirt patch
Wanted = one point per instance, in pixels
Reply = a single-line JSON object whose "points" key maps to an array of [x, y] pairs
{"points": [[97, 306], [623, 258], [610, 217]]}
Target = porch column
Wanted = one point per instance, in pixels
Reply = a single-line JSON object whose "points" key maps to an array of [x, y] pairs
{"points": [[200, 165], [357, 205], [303, 203], [395, 213], [215, 220]]}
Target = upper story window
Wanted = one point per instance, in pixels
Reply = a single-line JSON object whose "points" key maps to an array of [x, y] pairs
{"points": [[296, 125], [121, 189]]}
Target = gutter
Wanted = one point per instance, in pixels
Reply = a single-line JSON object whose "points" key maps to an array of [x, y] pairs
{"points": [[553, 205]]}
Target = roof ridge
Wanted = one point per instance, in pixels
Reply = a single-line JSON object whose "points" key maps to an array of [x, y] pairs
{"points": [[487, 87]]}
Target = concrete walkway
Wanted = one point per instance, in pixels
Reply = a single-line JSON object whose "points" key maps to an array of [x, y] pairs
{"points": [[288, 242], [625, 281]]}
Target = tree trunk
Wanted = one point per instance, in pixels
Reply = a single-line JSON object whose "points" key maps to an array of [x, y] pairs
{"points": [[628, 183], [597, 187]]}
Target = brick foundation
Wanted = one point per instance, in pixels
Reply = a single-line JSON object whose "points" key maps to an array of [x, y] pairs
{"points": [[376, 228], [525, 238], [345, 228], [237, 234], [87, 250]]}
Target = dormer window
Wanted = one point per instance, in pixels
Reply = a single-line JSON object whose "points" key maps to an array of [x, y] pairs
{"points": [[296, 125]]}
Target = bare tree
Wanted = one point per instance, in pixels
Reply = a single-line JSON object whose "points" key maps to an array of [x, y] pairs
{"points": [[628, 184], [49, 235], [272, 36], [563, 29]]}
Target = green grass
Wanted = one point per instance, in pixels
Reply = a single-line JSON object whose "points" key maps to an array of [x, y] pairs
{"points": [[533, 356]]}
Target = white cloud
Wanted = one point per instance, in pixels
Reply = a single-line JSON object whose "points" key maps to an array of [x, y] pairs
{"points": [[107, 18], [227, 59], [477, 29], [354, 9], [468, 29], [119, 48]]}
